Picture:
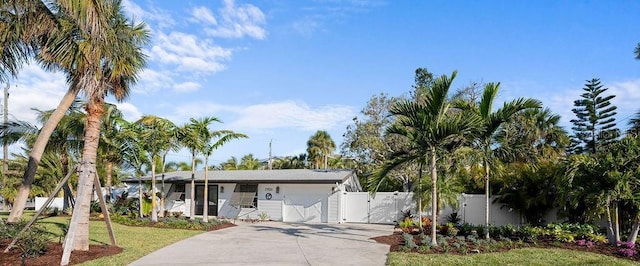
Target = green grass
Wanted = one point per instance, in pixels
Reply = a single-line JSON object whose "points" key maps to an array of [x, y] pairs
{"points": [[136, 241], [525, 256]]}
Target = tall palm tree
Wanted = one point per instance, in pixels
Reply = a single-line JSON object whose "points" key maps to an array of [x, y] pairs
{"points": [[111, 142], [319, 147], [213, 140], [429, 125], [157, 138], [189, 137], [50, 31], [492, 121], [109, 64]]}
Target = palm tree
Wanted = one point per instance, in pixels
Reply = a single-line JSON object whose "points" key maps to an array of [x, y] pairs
{"points": [[110, 63], [429, 125], [248, 162], [319, 147], [50, 31], [189, 137], [157, 135], [111, 142], [212, 141], [492, 121], [230, 164]]}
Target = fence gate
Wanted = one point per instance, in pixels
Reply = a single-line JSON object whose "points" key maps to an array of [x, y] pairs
{"points": [[384, 208]]}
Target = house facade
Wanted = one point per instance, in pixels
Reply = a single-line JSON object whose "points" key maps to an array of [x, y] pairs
{"points": [[291, 195]]}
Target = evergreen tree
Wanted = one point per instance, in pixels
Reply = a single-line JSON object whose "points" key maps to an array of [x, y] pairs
{"points": [[595, 124]]}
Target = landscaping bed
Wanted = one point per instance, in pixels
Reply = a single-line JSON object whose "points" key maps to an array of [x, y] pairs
{"points": [[461, 245], [53, 254]]}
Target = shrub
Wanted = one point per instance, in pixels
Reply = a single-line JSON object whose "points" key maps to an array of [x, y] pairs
{"points": [[407, 225], [408, 241], [31, 242], [263, 216], [584, 243], [453, 218], [452, 230]]}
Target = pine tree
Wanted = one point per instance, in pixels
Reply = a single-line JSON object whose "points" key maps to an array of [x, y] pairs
{"points": [[595, 123]]}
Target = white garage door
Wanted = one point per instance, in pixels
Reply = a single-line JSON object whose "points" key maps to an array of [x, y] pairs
{"points": [[305, 208]]}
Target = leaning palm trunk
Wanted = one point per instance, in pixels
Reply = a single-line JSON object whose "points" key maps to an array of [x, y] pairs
{"points": [[36, 154], [79, 230], [434, 200]]}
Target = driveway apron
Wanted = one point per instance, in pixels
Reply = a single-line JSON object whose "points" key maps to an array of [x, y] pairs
{"points": [[275, 243]]}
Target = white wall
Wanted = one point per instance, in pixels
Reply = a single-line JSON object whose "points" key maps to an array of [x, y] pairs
{"points": [[56, 203], [473, 206]]}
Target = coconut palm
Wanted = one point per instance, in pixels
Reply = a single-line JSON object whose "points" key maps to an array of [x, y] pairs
{"points": [[430, 126], [492, 121]]}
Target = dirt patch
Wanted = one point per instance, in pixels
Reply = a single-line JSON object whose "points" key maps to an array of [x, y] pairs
{"points": [[396, 243], [53, 255]]}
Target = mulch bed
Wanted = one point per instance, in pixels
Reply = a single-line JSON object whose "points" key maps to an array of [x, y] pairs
{"points": [[53, 255], [396, 243]]}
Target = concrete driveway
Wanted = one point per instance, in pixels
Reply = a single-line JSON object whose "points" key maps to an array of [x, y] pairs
{"points": [[275, 243]]}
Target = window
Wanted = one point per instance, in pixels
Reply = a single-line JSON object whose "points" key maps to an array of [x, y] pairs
{"points": [[245, 196], [176, 192]]}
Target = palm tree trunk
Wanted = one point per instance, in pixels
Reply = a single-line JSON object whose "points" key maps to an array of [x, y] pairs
{"points": [[616, 222], [419, 212], [610, 232], [487, 197], [434, 200], [192, 207], [205, 211], [633, 236], [80, 228], [154, 207], [36, 154], [164, 156]]}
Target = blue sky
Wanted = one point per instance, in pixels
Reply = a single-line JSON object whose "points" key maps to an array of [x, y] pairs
{"points": [[280, 70]]}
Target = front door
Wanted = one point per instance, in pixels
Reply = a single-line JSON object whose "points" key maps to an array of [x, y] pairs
{"points": [[213, 200]]}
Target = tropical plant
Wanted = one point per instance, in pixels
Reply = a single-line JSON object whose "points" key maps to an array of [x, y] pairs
{"points": [[199, 138], [595, 125], [492, 121], [156, 136], [248, 162], [429, 125], [319, 147]]}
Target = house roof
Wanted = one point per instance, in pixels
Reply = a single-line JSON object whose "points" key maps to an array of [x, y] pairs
{"points": [[258, 176]]}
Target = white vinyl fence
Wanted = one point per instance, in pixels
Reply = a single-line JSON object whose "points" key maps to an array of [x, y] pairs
{"points": [[387, 208]]}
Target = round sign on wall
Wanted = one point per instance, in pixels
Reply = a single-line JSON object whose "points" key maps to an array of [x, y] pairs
{"points": [[268, 196]]}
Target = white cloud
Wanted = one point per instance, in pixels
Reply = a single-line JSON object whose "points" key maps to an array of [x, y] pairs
{"points": [[188, 86], [35, 88], [189, 52], [293, 115], [160, 17], [129, 111], [237, 21], [203, 15], [150, 81]]}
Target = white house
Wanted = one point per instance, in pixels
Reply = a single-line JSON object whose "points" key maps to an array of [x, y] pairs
{"points": [[292, 195]]}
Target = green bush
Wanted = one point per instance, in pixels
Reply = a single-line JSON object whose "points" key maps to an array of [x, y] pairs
{"points": [[31, 242], [408, 241]]}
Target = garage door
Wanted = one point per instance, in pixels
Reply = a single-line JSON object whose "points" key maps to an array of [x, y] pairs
{"points": [[305, 208]]}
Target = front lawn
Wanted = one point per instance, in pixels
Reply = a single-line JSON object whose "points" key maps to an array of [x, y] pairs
{"points": [[525, 256], [136, 241]]}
